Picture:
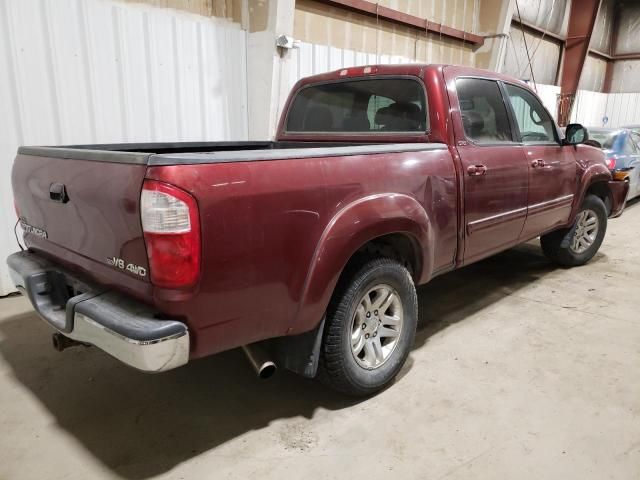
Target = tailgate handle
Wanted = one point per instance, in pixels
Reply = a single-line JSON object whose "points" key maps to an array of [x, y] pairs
{"points": [[58, 193]]}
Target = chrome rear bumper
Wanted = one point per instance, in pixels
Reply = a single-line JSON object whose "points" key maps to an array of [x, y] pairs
{"points": [[124, 328]]}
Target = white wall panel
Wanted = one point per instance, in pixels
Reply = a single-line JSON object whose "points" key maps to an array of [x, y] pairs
{"points": [[626, 76], [546, 14], [620, 109], [628, 37], [593, 74], [549, 96], [603, 28], [310, 59], [94, 71]]}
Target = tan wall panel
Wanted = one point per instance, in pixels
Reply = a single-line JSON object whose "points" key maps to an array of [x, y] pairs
{"points": [[320, 24], [544, 52], [231, 9], [489, 21]]}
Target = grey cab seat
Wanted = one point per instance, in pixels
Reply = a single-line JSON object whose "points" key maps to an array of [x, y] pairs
{"points": [[400, 117], [318, 119]]}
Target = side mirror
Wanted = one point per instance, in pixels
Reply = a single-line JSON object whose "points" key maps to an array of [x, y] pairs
{"points": [[575, 134]]}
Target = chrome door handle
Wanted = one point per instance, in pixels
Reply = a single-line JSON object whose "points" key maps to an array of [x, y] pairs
{"points": [[476, 170], [537, 163]]}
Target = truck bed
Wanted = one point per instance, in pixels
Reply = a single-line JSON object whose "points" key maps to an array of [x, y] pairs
{"points": [[191, 153]]}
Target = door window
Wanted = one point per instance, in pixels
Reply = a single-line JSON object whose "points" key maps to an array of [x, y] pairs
{"points": [[484, 115], [535, 124], [629, 146]]}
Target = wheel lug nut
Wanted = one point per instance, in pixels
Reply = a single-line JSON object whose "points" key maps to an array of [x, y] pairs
{"points": [[368, 314], [366, 335], [364, 325], [375, 334], [376, 312]]}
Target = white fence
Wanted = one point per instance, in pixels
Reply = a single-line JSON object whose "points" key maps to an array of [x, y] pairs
{"points": [[94, 71]]}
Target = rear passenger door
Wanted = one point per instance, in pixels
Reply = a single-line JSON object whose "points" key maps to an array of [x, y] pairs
{"points": [[494, 169], [552, 167]]}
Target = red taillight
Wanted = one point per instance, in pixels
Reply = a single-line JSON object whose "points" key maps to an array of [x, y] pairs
{"points": [[171, 226], [611, 163]]}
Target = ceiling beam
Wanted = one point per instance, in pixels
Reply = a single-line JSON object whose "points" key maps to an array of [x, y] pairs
{"points": [[400, 18], [582, 18], [538, 31]]}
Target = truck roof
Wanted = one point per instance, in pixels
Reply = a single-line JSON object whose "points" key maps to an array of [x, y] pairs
{"points": [[416, 69]]}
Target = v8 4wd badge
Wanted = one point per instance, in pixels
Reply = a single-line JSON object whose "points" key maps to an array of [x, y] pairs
{"points": [[129, 267]]}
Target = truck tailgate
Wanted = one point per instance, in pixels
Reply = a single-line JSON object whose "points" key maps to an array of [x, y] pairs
{"points": [[83, 207]]}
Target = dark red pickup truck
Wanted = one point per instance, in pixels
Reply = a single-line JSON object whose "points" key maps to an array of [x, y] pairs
{"points": [[306, 250]]}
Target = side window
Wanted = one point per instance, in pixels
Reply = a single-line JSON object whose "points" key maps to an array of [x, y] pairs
{"points": [[636, 140], [484, 115], [629, 146], [534, 122]]}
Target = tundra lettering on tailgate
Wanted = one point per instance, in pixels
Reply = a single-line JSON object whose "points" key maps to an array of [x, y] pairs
{"points": [[129, 267], [31, 229]]}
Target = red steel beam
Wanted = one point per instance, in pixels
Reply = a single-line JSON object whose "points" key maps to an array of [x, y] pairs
{"points": [[582, 18], [600, 55], [400, 18], [627, 56]]}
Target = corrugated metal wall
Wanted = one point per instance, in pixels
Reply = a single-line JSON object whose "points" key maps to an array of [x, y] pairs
{"points": [[549, 15], [628, 29], [94, 71], [544, 52], [231, 9], [601, 36], [320, 24], [593, 74], [621, 109], [549, 96], [626, 74]]}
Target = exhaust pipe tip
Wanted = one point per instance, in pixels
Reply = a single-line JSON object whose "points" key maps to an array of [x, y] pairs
{"points": [[260, 360], [267, 370]]}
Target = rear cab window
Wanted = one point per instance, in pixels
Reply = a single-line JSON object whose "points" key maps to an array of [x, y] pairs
{"points": [[372, 106]]}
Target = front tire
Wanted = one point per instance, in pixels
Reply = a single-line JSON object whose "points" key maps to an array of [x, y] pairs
{"points": [[578, 244], [370, 328]]}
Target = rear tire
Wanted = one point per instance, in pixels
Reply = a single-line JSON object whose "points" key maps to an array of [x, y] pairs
{"points": [[578, 244], [370, 328]]}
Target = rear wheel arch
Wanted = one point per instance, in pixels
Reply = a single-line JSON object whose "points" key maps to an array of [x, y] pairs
{"points": [[400, 229]]}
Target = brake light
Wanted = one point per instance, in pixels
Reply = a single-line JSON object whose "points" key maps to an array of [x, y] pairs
{"points": [[171, 226], [611, 163]]}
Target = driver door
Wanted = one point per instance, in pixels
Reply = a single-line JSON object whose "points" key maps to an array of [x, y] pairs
{"points": [[552, 167]]}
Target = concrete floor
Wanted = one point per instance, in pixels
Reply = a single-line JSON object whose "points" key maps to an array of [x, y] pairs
{"points": [[520, 370]]}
